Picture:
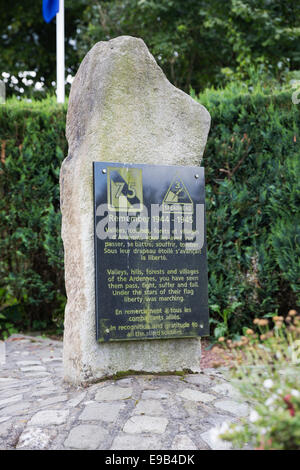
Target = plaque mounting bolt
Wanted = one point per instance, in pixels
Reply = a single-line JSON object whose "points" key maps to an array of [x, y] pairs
{"points": [[104, 170], [196, 176]]}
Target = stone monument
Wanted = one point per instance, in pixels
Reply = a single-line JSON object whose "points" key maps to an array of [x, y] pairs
{"points": [[121, 109]]}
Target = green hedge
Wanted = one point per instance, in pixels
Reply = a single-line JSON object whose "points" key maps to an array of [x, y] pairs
{"points": [[31, 264], [252, 175], [253, 203]]}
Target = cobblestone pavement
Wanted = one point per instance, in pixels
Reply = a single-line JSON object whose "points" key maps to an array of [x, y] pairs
{"points": [[39, 411]]}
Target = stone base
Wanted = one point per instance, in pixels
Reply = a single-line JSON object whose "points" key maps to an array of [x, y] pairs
{"points": [[152, 356]]}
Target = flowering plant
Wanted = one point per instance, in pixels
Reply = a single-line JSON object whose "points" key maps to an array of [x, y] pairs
{"points": [[266, 372]]}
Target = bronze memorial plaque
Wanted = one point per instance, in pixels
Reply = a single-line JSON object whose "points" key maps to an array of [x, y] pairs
{"points": [[150, 252]]}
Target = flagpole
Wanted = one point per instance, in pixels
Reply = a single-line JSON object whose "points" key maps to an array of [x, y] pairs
{"points": [[60, 53]]}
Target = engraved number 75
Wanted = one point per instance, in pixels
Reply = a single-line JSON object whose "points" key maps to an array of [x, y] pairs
{"points": [[131, 188]]}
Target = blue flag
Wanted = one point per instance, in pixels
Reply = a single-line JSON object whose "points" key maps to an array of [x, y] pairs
{"points": [[50, 8]]}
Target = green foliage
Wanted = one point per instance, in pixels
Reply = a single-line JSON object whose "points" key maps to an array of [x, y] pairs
{"points": [[252, 202], [222, 328], [266, 373], [31, 264], [198, 43], [28, 43]]}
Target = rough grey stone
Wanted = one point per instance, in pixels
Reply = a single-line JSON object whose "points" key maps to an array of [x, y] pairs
{"points": [[15, 409], [183, 442], [226, 389], [195, 395], [86, 437], [43, 392], [4, 418], [4, 429], [49, 418], [198, 379], [48, 360], [53, 400], [149, 407], [155, 394], [136, 442], [35, 438], [33, 369], [8, 401], [121, 109], [7, 381], [112, 392], [28, 364], [151, 424], [238, 409], [76, 400], [125, 382], [107, 412]]}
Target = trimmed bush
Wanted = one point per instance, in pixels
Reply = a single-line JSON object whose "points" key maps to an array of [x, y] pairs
{"points": [[31, 264], [253, 203], [253, 197]]}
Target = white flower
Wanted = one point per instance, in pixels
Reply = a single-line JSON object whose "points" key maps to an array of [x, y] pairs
{"points": [[253, 416], [268, 383], [214, 435], [270, 400], [295, 393]]}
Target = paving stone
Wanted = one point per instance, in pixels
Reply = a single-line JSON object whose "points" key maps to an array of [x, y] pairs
{"points": [[43, 392], [52, 359], [155, 394], [4, 429], [53, 400], [183, 442], [46, 383], [10, 400], [33, 369], [136, 442], [195, 395], [16, 409], [164, 412], [13, 392], [86, 437], [49, 417], [199, 379], [113, 392], [37, 374], [35, 438], [4, 418], [28, 363], [101, 412], [150, 424], [76, 400], [238, 409], [7, 381], [125, 382], [149, 407], [213, 372], [226, 389]]}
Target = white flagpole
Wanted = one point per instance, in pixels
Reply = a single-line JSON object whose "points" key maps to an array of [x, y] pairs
{"points": [[60, 53]]}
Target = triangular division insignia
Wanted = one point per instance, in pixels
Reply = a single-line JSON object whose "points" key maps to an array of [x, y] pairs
{"points": [[177, 197]]}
